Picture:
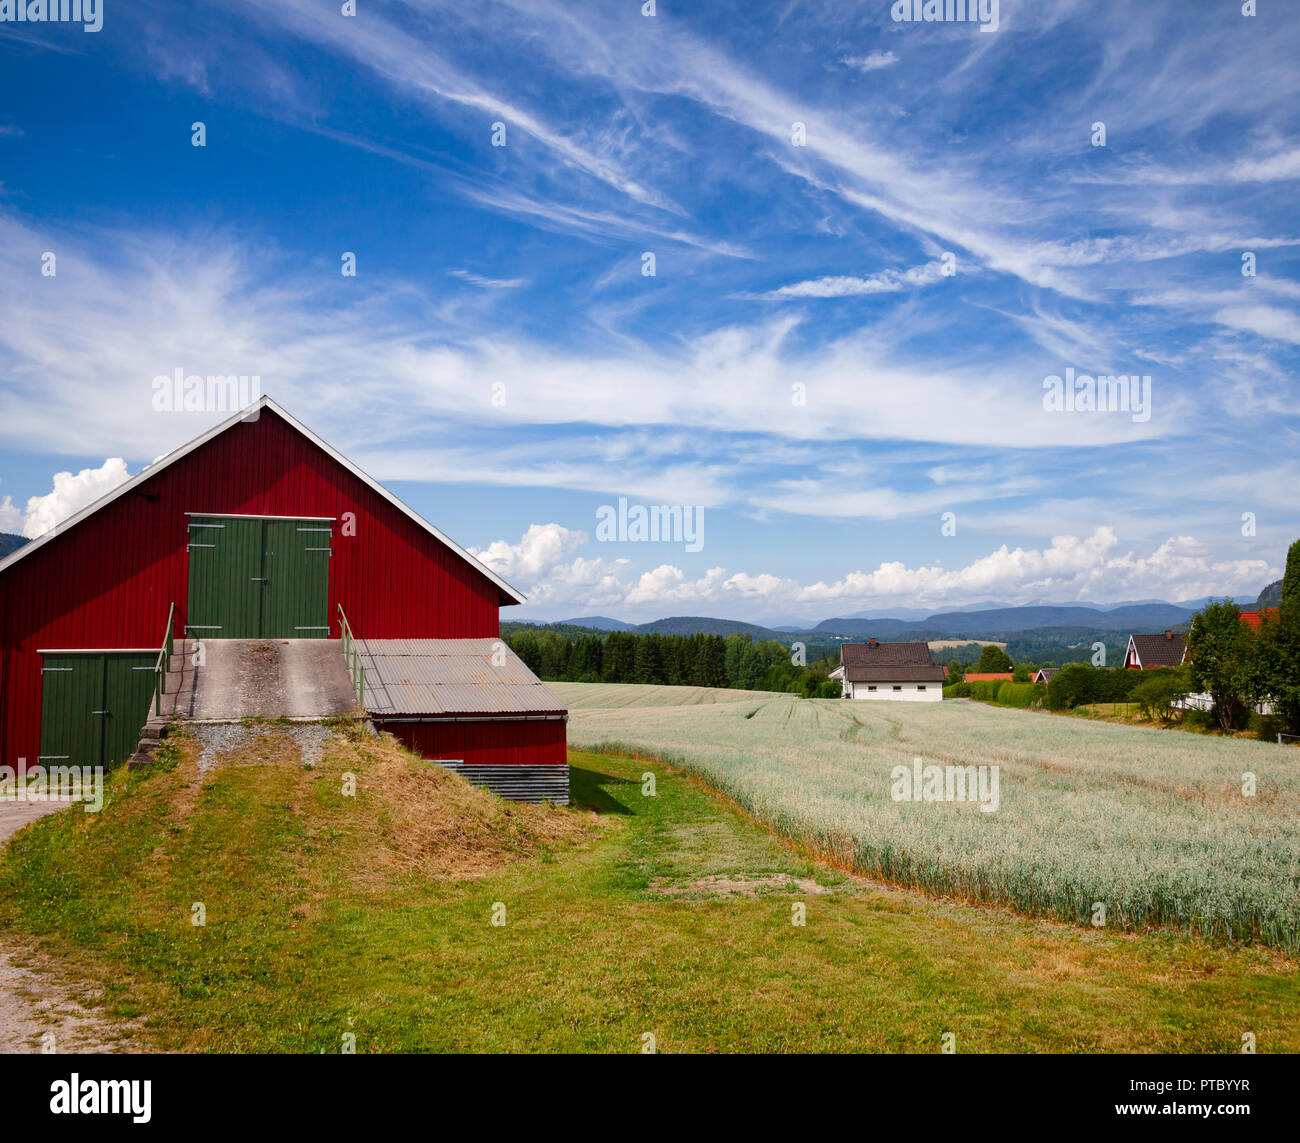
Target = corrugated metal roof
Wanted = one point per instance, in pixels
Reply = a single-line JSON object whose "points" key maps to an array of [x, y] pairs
{"points": [[451, 677]]}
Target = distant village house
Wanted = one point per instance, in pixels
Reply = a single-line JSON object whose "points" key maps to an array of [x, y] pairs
{"points": [[902, 672], [1147, 652]]}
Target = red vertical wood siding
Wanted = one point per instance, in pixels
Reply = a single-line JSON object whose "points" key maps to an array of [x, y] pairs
{"points": [[505, 742], [108, 581]]}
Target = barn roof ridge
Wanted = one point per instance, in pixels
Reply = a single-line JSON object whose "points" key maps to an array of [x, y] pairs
{"points": [[243, 414]]}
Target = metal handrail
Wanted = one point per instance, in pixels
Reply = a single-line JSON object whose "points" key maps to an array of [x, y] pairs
{"points": [[352, 658], [164, 661]]}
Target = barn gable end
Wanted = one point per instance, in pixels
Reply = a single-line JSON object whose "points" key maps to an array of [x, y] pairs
{"points": [[106, 578]]}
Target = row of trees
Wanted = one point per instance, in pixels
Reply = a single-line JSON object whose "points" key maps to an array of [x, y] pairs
{"points": [[674, 660]]}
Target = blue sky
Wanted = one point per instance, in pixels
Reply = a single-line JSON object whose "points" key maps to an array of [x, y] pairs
{"points": [[803, 173]]}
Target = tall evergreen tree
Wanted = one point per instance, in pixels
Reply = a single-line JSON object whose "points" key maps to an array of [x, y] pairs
{"points": [[752, 668], [1291, 582], [648, 666], [619, 663], [735, 650]]}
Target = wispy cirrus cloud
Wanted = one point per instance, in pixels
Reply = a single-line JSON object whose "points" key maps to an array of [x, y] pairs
{"points": [[843, 286], [872, 61]]}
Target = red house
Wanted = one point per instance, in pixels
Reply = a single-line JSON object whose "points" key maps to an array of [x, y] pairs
{"points": [[84, 608], [1253, 619]]}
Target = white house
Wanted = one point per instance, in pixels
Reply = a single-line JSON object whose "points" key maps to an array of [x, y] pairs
{"points": [[901, 672]]}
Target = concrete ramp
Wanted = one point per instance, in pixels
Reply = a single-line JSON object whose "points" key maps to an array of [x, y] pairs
{"points": [[259, 678]]}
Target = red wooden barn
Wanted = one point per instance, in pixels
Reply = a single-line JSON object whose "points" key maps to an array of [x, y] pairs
{"points": [[84, 608]]}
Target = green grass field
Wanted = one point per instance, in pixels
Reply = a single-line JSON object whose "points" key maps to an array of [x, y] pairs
{"points": [[628, 915]]}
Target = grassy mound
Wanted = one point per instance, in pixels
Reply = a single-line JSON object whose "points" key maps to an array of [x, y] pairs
{"points": [[367, 798], [262, 849]]}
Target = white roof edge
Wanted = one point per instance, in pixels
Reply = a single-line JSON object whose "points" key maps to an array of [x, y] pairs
{"points": [[185, 449]]}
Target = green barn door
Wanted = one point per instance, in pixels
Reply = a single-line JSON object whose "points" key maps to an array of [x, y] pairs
{"points": [[225, 594], [296, 564], [72, 702], [93, 705], [129, 681], [255, 577]]}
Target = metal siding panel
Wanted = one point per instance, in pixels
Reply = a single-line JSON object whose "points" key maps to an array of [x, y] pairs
{"points": [[503, 743], [522, 783]]}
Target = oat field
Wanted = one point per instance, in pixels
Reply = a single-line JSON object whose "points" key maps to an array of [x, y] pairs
{"points": [[1135, 827], [602, 695]]}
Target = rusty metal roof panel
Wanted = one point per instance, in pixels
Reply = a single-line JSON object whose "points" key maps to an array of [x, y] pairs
{"points": [[451, 677]]}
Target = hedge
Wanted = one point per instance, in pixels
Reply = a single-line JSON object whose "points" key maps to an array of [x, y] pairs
{"points": [[1001, 691], [1021, 695], [1079, 684], [985, 690]]}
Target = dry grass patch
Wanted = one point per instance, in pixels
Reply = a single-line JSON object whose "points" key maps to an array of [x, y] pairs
{"points": [[435, 823], [722, 885]]}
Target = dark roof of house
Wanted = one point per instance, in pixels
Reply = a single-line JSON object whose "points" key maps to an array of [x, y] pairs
{"points": [[885, 654], [907, 673], [1159, 650], [1047, 672]]}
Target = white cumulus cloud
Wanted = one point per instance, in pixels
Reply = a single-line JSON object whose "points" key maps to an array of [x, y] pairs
{"points": [[70, 495], [1091, 567]]}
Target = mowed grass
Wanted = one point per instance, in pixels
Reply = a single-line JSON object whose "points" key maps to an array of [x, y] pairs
{"points": [[1194, 832], [330, 916]]}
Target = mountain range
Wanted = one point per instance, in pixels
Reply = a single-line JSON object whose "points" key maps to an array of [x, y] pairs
{"points": [[988, 622]]}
